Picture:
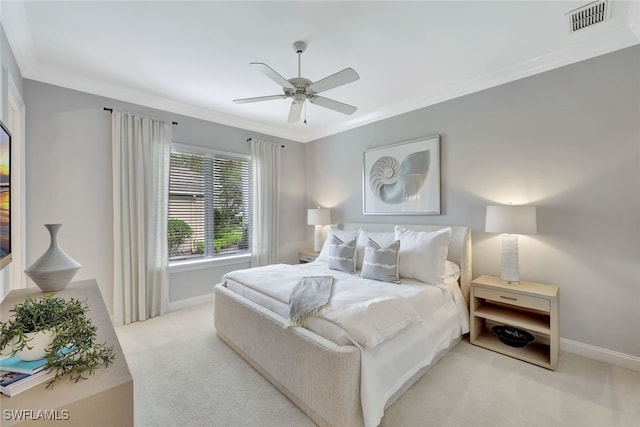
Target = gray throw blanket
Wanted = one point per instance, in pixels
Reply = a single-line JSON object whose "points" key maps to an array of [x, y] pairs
{"points": [[308, 298]]}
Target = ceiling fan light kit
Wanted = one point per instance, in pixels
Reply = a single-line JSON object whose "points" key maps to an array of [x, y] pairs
{"points": [[300, 89]]}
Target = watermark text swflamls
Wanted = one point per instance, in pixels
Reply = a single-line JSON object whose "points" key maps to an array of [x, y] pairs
{"points": [[35, 414]]}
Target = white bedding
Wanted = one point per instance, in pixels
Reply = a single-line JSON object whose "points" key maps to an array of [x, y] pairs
{"points": [[431, 318]]}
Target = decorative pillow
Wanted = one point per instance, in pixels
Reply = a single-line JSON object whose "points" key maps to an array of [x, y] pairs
{"points": [[423, 254], [381, 263], [344, 235], [384, 239], [342, 255]]}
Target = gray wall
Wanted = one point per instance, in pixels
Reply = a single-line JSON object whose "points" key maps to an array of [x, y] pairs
{"points": [[567, 141], [69, 180]]}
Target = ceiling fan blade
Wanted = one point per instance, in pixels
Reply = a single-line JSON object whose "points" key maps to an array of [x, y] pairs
{"points": [[295, 111], [340, 78], [272, 74], [258, 99], [332, 104]]}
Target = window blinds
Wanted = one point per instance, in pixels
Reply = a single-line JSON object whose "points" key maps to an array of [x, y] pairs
{"points": [[209, 205]]}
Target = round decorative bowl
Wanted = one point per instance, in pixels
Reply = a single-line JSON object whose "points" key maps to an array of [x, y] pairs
{"points": [[511, 336]]}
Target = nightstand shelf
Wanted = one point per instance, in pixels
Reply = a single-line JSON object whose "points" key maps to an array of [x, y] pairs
{"points": [[526, 305], [533, 322], [536, 353]]}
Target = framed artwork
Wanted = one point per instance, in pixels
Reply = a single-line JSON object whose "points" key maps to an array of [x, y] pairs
{"points": [[402, 179]]}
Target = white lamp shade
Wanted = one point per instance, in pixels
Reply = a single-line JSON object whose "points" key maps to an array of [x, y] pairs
{"points": [[509, 219], [318, 216]]}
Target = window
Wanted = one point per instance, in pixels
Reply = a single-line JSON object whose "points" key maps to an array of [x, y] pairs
{"points": [[209, 204]]}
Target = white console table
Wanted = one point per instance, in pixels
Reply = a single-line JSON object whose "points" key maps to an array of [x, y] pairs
{"points": [[104, 399]]}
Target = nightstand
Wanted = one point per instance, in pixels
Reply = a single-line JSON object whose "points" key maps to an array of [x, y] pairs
{"points": [[307, 256], [531, 306]]}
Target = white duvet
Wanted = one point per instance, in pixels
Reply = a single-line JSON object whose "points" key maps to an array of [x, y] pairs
{"points": [[369, 311], [400, 328]]}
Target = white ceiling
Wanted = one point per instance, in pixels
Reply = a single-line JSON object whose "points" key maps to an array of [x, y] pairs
{"points": [[192, 58]]}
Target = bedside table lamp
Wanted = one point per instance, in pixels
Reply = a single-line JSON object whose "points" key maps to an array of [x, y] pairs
{"points": [[318, 217], [510, 221]]}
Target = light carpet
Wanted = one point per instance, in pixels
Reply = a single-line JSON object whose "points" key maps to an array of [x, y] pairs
{"points": [[185, 376]]}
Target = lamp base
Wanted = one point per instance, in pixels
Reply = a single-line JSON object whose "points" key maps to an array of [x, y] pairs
{"points": [[317, 240], [510, 271]]}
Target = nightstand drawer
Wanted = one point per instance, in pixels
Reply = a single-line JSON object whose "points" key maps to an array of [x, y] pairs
{"points": [[512, 298]]}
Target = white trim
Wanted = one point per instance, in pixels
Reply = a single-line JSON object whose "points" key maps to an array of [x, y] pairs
{"points": [[17, 118], [16, 27], [17, 30], [191, 302], [601, 354], [202, 263], [585, 350], [83, 83]]}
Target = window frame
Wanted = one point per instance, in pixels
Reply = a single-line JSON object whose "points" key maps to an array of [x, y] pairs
{"points": [[212, 261]]}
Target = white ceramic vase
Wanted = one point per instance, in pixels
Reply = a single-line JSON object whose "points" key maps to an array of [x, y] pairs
{"points": [[54, 269], [38, 341]]}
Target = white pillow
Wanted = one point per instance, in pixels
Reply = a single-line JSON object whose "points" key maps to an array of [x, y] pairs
{"points": [[423, 254], [451, 271], [344, 235], [384, 239]]}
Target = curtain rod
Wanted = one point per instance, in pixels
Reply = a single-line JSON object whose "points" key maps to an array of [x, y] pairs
{"points": [[249, 140], [111, 111]]}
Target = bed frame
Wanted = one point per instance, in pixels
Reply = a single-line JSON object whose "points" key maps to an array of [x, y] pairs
{"points": [[320, 377]]}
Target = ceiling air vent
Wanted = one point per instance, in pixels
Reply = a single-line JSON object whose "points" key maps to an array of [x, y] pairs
{"points": [[588, 15]]}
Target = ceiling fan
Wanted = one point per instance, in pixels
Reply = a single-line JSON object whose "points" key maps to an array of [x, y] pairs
{"points": [[300, 89]]}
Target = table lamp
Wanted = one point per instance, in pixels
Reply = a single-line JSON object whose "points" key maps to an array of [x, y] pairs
{"points": [[318, 217], [510, 221]]}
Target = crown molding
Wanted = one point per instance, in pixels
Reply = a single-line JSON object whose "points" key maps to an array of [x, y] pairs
{"points": [[19, 37], [82, 83], [606, 43], [16, 27]]}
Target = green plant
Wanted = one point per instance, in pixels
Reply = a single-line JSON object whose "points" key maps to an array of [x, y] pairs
{"points": [[226, 237], [178, 232], [73, 332]]}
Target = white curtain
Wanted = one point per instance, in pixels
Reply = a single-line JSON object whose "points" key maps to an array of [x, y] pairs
{"points": [[265, 166], [141, 149]]}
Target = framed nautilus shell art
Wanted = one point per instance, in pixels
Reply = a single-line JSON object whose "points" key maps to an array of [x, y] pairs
{"points": [[403, 179]]}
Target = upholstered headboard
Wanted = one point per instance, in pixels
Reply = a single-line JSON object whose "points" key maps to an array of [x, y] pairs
{"points": [[459, 245]]}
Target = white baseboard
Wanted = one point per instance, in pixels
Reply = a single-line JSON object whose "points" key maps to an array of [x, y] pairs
{"points": [[190, 302], [600, 354], [585, 350]]}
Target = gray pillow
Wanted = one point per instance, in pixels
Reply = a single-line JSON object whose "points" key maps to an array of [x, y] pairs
{"points": [[342, 255], [381, 263]]}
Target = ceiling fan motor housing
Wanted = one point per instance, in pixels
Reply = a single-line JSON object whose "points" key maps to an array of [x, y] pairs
{"points": [[299, 94]]}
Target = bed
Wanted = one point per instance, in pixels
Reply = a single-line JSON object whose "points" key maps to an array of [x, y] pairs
{"points": [[334, 370]]}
